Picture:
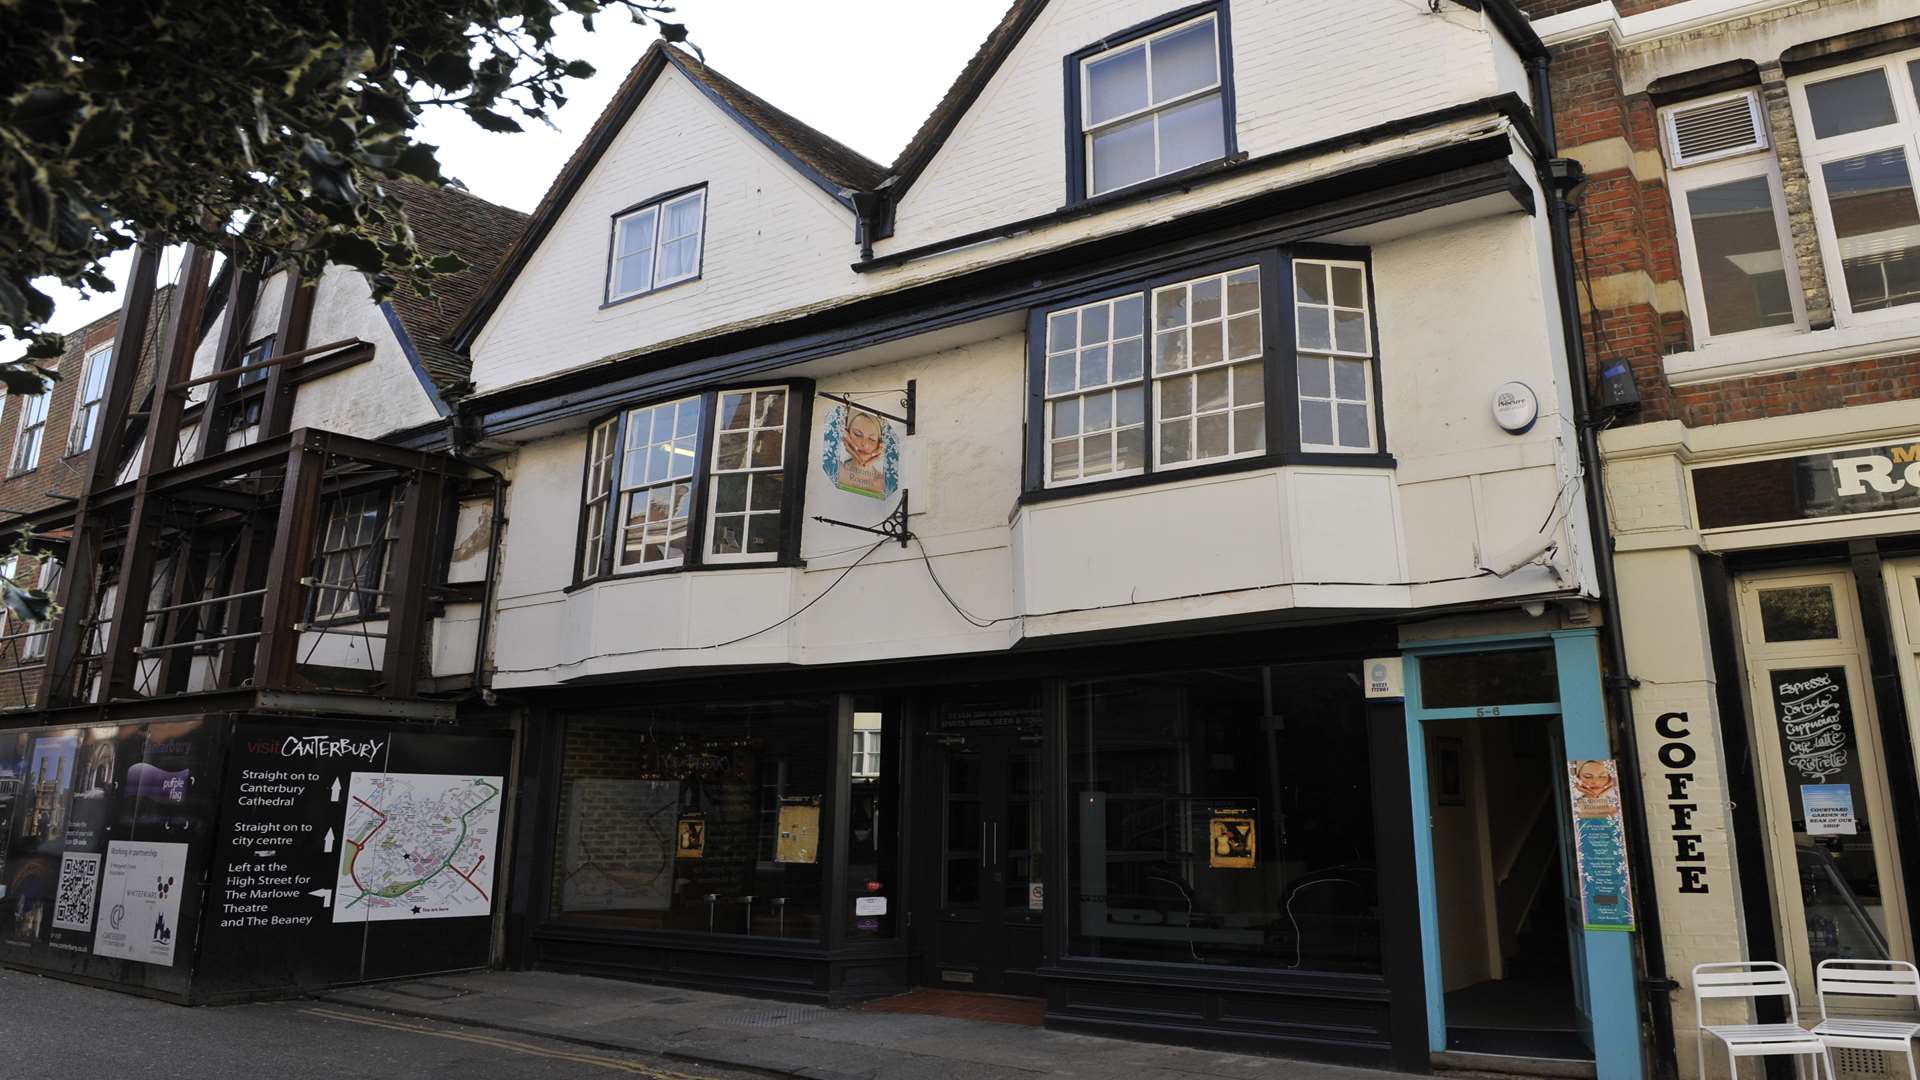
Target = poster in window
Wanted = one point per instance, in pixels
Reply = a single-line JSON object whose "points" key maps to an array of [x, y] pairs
{"points": [[1231, 841], [799, 839], [690, 836], [1600, 844], [860, 452]]}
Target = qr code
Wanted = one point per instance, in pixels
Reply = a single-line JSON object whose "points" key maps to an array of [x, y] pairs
{"points": [[73, 903]]}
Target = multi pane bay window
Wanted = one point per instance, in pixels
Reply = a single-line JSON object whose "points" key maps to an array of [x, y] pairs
{"points": [[1182, 372], [707, 479]]}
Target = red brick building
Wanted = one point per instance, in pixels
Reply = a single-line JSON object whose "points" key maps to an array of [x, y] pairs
{"points": [[49, 441], [1748, 264]]}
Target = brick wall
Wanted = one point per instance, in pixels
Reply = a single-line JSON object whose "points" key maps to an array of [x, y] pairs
{"points": [[1626, 243], [59, 473]]}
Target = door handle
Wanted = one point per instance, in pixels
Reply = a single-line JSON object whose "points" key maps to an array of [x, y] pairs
{"points": [[996, 843], [983, 844]]}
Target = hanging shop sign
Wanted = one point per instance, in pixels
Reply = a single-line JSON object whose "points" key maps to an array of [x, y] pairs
{"points": [[1600, 844], [1831, 483], [860, 451]]}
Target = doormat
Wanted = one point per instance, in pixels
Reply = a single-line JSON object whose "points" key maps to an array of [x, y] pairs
{"points": [[958, 1005]]}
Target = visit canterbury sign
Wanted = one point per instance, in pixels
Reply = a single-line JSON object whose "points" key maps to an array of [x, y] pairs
{"points": [[1832, 483]]}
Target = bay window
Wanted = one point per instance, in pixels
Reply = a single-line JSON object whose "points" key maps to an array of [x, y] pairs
{"points": [[1180, 373], [1860, 130], [1155, 102], [708, 479], [1335, 356]]}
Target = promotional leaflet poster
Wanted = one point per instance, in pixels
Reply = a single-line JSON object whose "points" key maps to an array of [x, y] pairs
{"points": [[103, 826]]}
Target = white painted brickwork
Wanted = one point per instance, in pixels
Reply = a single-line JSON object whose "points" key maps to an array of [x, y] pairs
{"points": [[777, 245], [774, 241], [1304, 70], [1259, 541]]}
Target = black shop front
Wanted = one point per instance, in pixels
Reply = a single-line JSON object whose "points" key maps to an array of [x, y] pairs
{"points": [[1191, 841]]}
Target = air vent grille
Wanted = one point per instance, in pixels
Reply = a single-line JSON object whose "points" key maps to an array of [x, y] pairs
{"points": [[1717, 129]]}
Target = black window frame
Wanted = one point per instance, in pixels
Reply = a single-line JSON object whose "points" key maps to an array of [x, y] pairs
{"points": [[372, 604], [607, 299], [1077, 190], [1279, 353], [798, 444]]}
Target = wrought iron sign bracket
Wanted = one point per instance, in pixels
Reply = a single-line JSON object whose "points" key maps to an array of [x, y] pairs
{"points": [[893, 526], [909, 401]]}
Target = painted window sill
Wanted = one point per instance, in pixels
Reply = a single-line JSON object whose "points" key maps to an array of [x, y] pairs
{"points": [[1764, 354]]}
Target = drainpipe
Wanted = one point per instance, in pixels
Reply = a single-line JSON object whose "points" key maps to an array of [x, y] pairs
{"points": [[1562, 177]]}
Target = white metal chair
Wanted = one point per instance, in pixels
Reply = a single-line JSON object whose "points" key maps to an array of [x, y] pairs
{"points": [[1753, 979], [1871, 979]]}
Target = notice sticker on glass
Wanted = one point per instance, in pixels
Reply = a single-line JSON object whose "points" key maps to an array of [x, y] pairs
{"points": [[1231, 837], [869, 905], [1600, 844], [690, 836], [1829, 809]]}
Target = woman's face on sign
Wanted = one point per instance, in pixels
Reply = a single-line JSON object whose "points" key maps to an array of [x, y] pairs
{"points": [[1593, 779]]}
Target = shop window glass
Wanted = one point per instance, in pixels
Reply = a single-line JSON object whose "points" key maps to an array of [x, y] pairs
{"points": [[873, 829], [703, 818], [1497, 677], [1802, 613], [1223, 818], [1831, 816]]}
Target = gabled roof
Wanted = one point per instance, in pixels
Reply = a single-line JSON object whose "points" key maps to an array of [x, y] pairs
{"points": [[831, 165], [979, 71], [451, 219], [960, 96]]}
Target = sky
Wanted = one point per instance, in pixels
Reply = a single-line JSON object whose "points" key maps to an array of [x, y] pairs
{"points": [[851, 68]]}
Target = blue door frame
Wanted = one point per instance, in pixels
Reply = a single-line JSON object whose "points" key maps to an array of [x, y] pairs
{"points": [[1612, 1001]]}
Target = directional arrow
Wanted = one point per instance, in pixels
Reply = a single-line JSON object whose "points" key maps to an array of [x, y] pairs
{"points": [[336, 790], [325, 895], [327, 845]]}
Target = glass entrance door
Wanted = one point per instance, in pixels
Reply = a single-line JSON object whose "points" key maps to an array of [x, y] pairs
{"points": [[988, 936], [1822, 780]]}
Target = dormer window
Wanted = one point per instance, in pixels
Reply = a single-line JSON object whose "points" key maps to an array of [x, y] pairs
{"points": [[1152, 103], [657, 244]]}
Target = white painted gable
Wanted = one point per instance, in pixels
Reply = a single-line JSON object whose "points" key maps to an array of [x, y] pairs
{"points": [[1303, 70], [775, 242]]}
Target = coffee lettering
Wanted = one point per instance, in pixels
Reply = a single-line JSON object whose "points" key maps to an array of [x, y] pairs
{"points": [[1677, 753]]}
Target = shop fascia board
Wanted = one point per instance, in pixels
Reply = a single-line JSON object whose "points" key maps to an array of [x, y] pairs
{"points": [[1670, 21], [1771, 436], [1765, 354]]}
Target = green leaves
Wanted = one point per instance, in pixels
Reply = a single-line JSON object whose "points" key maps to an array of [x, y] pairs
{"points": [[264, 129]]}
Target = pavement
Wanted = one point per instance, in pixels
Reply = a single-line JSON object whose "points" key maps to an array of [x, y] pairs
{"points": [[809, 1042], [53, 1030]]}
